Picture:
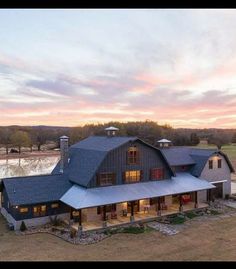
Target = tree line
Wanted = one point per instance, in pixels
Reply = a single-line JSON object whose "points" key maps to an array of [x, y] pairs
{"points": [[12, 137]]}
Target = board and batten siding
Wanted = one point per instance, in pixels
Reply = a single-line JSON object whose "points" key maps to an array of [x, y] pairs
{"points": [[116, 162], [218, 174]]}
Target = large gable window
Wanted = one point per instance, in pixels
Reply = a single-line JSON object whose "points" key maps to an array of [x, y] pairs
{"points": [[133, 155], [157, 173], [132, 176], [106, 179]]}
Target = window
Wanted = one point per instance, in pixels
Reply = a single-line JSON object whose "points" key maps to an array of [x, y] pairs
{"points": [[133, 155], [24, 209], [132, 176], [39, 210], [219, 163], [210, 164], [106, 179], [157, 173], [55, 205]]}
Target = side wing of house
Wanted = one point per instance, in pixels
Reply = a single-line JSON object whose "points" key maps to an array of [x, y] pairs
{"points": [[217, 170], [131, 162]]}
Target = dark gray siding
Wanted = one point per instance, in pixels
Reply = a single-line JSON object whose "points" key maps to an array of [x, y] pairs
{"points": [[63, 208], [116, 162], [5, 201]]}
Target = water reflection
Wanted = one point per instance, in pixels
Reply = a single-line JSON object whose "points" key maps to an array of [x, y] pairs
{"points": [[27, 166]]}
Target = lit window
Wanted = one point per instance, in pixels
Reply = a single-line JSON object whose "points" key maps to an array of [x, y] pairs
{"points": [[39, 210], [132, 176], [219, 163], [210, 164], [106, 179], [157, 173], [24, 209], [56, 205], [133, 155]]}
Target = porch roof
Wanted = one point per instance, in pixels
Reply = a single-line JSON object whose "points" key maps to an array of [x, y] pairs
{"points": [[79, 197]]}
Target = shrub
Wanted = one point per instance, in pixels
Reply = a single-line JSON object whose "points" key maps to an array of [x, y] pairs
{"points": [[214, 212], [191, 215], [55, 221], [177, 220], [133, 230], [73, 233], [23, 226]]}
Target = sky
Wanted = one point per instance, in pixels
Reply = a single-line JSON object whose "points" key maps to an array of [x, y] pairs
{"points": [[69, 67]]}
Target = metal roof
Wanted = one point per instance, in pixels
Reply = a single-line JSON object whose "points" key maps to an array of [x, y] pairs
{"points": [[178, 156], [79, 197], [103, 143], [164, 141], [87, 155], [36, 189], [111, 128]]}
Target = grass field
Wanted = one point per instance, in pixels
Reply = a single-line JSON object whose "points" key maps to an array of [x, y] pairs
{"points": [[230, 150], [192, 244]]}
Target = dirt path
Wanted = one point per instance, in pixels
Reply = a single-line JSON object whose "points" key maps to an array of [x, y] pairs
{"points": [[208, 240]]}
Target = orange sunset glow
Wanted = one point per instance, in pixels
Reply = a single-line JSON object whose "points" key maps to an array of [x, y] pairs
{"points": [[72, 67]]}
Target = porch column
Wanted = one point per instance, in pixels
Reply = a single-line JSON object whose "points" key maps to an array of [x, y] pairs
{"points": [[104, 224], [159, 206], [196, 199], [180, 203], [80, 217], [132, 211], [80, 223], [209, 196]]}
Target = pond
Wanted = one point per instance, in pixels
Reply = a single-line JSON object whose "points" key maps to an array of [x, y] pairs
{"points": [[27, 166]]}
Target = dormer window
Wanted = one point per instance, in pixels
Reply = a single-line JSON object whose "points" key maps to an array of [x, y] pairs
{"points": [[219, 162], [133, 155]]}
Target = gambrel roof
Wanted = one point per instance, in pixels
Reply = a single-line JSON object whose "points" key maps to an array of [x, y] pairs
{"points": [[87, 155], [196, 157]]}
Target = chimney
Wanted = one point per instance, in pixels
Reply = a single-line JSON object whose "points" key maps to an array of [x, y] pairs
{"points": [[64, 148], [111, 131]]}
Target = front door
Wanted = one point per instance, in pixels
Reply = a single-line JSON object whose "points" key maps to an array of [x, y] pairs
{"points": [[136, 206]]}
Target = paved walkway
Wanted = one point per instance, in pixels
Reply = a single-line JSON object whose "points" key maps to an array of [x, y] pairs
{"points": [[229, 203], [163, 228]]}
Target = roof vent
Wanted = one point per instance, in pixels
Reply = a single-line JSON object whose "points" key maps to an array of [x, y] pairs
{"points": [[164, 143], [111, 131]]}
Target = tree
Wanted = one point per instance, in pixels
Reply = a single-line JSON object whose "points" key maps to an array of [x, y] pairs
{"points": [[234, 138], [5, 134], [23, 227], [39, 137], [20, 139], [194, 139]]}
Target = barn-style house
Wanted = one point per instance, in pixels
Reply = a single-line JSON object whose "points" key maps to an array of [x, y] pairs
{"points": [[109, 180]]}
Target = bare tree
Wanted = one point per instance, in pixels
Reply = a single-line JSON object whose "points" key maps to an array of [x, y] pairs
{"points": [[20, 139]]}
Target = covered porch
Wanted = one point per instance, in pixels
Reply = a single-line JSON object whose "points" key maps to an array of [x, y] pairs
{"points": [[99, 208], [138, 217]]}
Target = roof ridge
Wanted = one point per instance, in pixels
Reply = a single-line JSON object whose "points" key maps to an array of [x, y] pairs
{"points": [[39, 175]]}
